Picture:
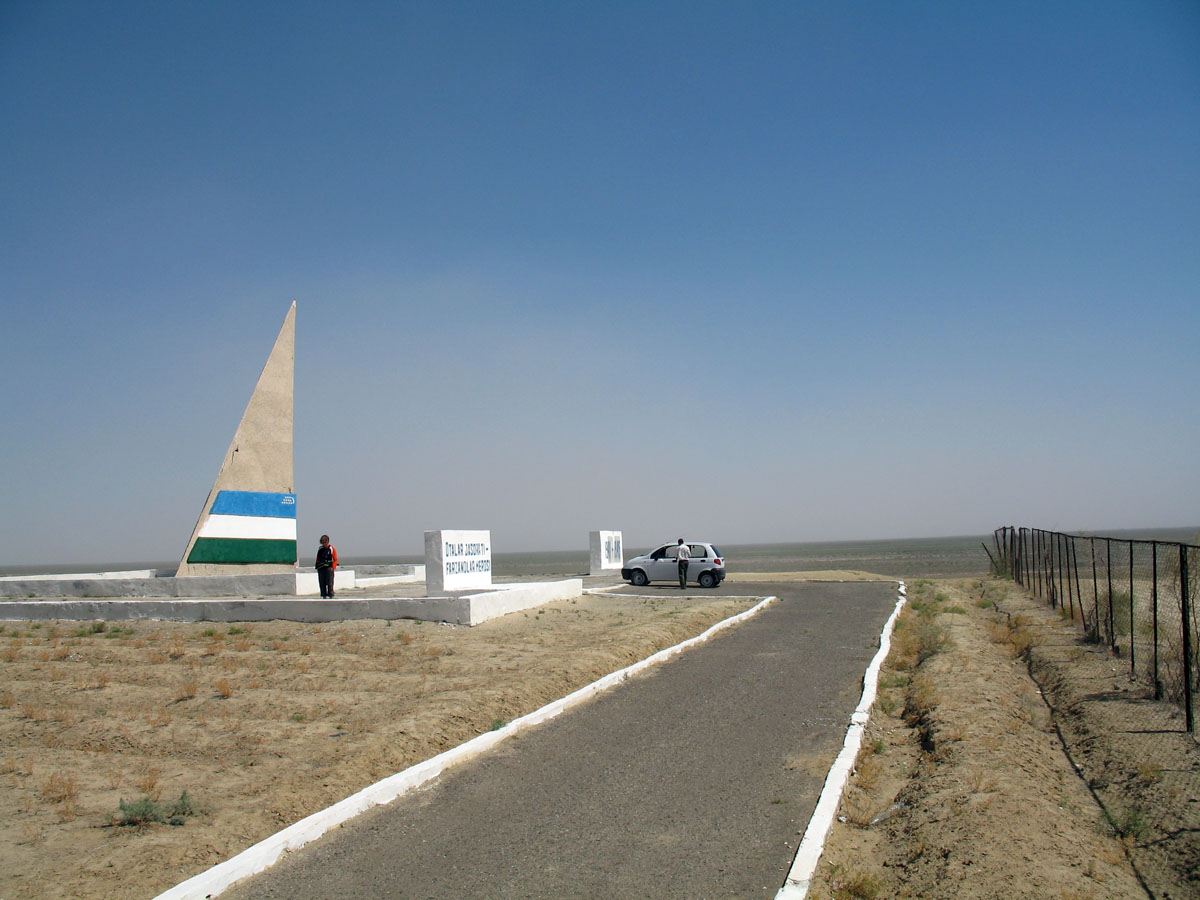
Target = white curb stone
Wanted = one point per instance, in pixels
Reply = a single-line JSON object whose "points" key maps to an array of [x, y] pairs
{"points": [[812, 845]]}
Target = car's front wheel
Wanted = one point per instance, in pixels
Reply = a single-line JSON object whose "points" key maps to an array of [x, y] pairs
{"points": [[638, 578], [708, 580]]}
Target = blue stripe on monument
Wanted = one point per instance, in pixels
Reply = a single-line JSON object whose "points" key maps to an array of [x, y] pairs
{"points": [[254, 503]]}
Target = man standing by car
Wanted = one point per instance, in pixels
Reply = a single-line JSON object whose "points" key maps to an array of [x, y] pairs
{"points": [[682, 555]]}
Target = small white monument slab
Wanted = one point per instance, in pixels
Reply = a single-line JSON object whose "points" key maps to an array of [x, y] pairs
{"points": [[607, 555], [457, 561]]}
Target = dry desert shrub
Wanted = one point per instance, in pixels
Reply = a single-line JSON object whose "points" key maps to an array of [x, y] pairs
{"points": [[1150, 773], [917, 638], [60, 787], [983, 783], [867, 771], [920, 700], [954, 733], [857, 808], [1014, 634], [186, 691], [224, 688], [147, 782], [32, 835], [858, 886]]}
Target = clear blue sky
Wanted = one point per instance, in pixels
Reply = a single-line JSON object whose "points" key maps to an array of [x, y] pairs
{"points": [[772, 271]]}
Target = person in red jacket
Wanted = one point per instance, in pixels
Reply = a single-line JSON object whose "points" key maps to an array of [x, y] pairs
{"points": [[326, 565]]}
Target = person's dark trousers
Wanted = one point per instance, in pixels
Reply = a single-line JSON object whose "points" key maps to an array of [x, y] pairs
{"points": [[325, 577], [682, 574]]}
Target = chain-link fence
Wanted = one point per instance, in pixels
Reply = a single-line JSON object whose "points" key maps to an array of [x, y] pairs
{"points": [[1138, 597], [1126, 715]]}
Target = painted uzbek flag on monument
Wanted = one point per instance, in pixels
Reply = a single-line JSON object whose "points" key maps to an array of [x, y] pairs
{"points": [[248, 527]]}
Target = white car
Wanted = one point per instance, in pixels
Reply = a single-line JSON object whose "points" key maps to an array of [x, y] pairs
{"points": [[706, 567]]}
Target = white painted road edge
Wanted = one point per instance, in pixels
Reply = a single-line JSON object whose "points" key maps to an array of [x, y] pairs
{"points": [[266, 853], [812, 845]]}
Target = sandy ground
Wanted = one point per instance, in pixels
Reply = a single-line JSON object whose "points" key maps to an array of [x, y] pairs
{"points": [[963, 788], [1008, 759], [263, 724]]}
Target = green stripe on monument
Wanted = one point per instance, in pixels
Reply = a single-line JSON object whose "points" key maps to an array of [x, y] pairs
{"points": [[235, 550]]}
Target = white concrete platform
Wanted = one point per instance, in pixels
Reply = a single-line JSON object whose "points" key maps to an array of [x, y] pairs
{"points": [[374, 581], [144, 583], [85, 576], [466, 609]]}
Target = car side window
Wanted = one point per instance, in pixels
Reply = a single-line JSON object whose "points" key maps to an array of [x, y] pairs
{"points": [[659, 553], [697, 551]]}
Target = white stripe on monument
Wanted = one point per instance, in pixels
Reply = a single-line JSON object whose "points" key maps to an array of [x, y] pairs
{"points": [[249, 527]]}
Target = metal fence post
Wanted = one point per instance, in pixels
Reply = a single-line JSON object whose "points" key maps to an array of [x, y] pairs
{"points": [[1187, 638], [1029, 558], [1069, 545], [1095, 593], [1078, 592], [1154, 612], [1043, 569], [1037, 558], [1060, 540], [1132, 668], [1054, 585], [1112, 631]]}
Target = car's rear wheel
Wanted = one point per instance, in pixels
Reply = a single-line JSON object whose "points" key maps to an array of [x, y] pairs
{"points": [[708, 580], [638, 577]]}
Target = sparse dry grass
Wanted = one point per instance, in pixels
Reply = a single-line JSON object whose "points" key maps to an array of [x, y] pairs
{"points": [[152, 709], [60, 787], [1014, 633]]}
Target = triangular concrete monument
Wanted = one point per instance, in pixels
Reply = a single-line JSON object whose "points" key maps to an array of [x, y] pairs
{"points": [[248, 525]]}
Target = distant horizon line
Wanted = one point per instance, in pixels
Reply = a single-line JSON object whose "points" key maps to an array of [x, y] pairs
{"points": [[93, 566]]}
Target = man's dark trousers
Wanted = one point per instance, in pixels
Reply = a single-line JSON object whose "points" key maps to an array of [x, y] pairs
{"points": [[325, 579]]}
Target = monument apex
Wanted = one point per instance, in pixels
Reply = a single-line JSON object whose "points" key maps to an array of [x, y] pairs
{"points": [[248, 523]]}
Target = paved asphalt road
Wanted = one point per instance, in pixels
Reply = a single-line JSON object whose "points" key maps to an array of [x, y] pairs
{"points": [[693, 781]]}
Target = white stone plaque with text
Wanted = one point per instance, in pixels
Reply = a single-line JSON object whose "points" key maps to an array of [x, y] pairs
{"points": [[457, 560], [607, 555]]}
